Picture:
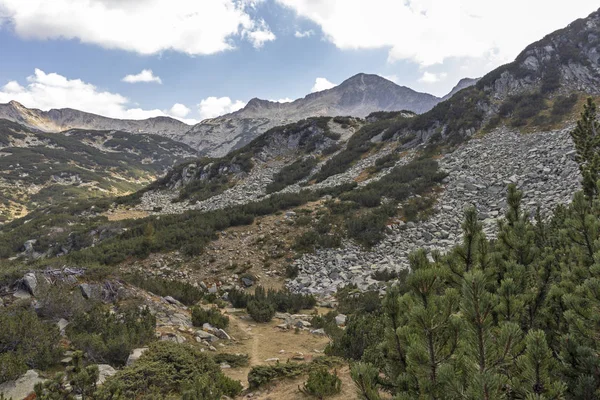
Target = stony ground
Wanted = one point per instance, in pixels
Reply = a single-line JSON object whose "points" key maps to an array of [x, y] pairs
{"points": [[541, 164]]}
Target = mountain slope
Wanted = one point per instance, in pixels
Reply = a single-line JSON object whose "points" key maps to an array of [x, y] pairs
{"points": [[358, 96], [66, 118], [38, 168]]}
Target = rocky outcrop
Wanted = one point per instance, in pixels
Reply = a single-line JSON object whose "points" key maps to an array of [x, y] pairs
{"points": [[567, 60]]}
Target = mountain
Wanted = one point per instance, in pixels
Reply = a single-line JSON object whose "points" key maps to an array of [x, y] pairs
{"points": [[462, 84], [537, 90], [67, 118], [357, 96], [40, 168]]}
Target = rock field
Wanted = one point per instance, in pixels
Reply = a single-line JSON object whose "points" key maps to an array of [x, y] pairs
{"points": [[541, 164]]}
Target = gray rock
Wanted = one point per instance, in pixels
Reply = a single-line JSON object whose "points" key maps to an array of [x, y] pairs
{"points": [[172, 301], [206, 336], [30, 283], [105, 372], [62, 324], [22, 387], [220, 333], [135, 355], [247, 282], [340, 320], [86, 290]]}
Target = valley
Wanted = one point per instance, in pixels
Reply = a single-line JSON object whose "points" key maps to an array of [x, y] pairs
{"points": [[366, 241]]}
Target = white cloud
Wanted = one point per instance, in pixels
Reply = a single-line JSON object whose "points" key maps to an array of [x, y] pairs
{"points": [[145, 76], [259, 35], [430, 77], [143, 26], [213, 107], [322, 84], [286, 100], [179, 110], [50, 90], [431, 31], [304, 34]]}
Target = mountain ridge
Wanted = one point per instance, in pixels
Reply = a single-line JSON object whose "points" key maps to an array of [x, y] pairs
{"points": [[63, 119]]}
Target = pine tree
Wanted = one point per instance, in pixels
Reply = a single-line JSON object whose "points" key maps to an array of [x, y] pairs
{"points": [[365, 377], [586, 137], [433, 328], [516, 234], [538, 370]]}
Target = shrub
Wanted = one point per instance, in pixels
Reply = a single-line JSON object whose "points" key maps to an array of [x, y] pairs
{"points": [[213, 317], [234, 360], [291, 174], [12, 366], [59, 300], [262, 375], [26, 342], [321, 383], [331, 149], [291, 271], [238, 298], [166, 369], [182, 291], [109, 337], [351, 300], [261, 310], [563, 105]]}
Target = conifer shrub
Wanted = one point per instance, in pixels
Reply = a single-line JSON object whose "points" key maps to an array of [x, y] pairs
{"points": [[321, 384], [262, 375], [261, 310], [169, 369], [213, 316], [26, 342], [234, 360], [181, 291], [109, 337]]}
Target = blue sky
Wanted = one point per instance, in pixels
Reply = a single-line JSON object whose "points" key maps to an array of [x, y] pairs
{"points": [[211, 57]]}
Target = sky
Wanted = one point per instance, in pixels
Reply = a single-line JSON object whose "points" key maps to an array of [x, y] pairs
{"points": [[198, 59]]}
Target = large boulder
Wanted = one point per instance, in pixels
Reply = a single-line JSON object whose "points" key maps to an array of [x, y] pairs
{"points": [[22, 387], [135, 355], [105, 372]]}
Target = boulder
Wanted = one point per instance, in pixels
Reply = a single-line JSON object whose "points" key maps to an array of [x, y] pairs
{"points": [[340, 320], [172, 301], [247, 282], [105, 372], [22, 387], [220, 333], [29, 283], [206, 336], [135, 355], [86, 290]]}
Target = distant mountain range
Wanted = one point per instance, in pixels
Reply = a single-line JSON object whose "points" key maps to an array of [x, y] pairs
{"points": [[67, 118], [358, 96]]}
